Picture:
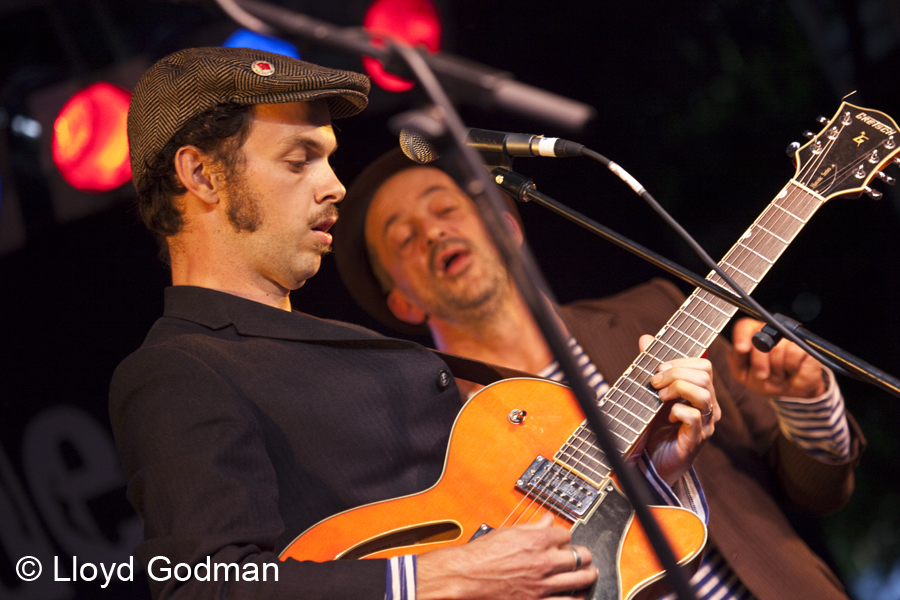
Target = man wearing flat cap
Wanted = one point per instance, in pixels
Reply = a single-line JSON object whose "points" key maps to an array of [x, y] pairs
{"points": [[241, 423], [413, 251]]}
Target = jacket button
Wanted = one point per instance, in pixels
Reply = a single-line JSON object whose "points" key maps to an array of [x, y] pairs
{"points": [[443, 380]]}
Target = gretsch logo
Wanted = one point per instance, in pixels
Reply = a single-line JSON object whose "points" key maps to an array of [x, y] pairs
{"points": [[875, 124], [860, 138]]}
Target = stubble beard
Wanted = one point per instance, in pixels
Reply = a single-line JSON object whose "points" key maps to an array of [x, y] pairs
{"points": [[245, 212], [450, 303]]}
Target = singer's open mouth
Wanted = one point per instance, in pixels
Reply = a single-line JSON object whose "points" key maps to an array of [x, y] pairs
{"points": [[452, 259]]}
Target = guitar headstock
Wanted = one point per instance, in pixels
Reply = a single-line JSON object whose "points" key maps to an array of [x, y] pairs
{"points": [[850, 151]]}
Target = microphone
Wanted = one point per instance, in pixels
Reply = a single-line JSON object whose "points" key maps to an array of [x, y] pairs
{"points": [[489, 143]]}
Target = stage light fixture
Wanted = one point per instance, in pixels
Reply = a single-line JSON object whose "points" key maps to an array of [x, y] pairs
{"points": [[90, 144], [244, 38], [25, 126], [415, 22]]}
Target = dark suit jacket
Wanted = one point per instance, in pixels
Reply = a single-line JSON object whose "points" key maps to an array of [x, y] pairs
{"points": [[749, 470], [240, 425]]}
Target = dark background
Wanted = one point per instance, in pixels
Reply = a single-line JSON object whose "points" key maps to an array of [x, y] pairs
{"points": [[696, 99]]}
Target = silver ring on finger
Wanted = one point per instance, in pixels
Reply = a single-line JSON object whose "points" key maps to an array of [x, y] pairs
{"points": [[707, 415], [577, 556]]}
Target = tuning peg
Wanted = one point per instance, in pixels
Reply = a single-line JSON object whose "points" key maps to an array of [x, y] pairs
{"points": [[875, 194], [821, 120], [886, 178], [792, 148], [809, 134]]}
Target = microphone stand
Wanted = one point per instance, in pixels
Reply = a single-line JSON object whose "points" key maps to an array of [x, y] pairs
{"points": [[522, 267], [523, 190]]}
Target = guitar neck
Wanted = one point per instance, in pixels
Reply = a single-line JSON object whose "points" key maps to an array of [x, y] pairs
{"points": [[632, 402]]}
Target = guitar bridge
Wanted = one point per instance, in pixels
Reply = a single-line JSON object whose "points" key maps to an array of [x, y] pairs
{"points": [[568, 493]]}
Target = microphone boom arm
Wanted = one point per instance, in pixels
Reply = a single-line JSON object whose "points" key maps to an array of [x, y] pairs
{"points": [[474, 82]]}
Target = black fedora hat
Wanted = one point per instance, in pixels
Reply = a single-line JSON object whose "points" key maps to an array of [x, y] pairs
{"points": [[350, 251]]}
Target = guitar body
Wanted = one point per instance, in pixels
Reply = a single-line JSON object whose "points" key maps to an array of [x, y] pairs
{"points": [[487, 455]]}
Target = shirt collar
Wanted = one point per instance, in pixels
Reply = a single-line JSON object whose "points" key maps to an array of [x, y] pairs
{"points": [[217, 310]]}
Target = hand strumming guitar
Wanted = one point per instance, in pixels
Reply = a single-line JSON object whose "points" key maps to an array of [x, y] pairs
{"points": [[522, 562]]}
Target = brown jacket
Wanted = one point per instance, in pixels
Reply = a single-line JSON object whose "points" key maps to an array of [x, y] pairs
{"points": [[750, 472]]}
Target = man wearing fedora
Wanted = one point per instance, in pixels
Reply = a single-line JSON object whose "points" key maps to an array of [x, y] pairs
{"points": [[413, 251]]}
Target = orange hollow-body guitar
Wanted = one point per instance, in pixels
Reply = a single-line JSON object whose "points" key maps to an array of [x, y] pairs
{"points": [[520, 447], [485, 485]]}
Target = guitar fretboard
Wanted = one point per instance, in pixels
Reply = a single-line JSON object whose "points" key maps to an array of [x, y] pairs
{"points": [[632, 402]]}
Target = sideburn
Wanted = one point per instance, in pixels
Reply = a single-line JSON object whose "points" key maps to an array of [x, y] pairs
{"points": [[243, 209]]}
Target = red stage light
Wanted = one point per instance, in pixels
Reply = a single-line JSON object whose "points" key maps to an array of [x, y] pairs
{"points": [[415, 22], [90, 144]]}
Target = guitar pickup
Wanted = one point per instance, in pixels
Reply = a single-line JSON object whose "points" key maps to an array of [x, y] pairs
{"points": [[564, 490]]}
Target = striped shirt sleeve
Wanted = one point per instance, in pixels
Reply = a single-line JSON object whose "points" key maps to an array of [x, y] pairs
{"points": [[685, 493], [817, 425], [401, 578]]}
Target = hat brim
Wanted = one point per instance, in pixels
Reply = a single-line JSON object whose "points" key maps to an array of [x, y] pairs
{"points": [[350, 251]]}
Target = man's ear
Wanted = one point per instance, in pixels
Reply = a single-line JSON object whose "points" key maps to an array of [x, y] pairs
{"points": [[514, 227], [194, 169], [403, 309]]}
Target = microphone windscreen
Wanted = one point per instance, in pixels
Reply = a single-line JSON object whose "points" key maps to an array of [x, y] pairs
{"points": [[416, 147]]}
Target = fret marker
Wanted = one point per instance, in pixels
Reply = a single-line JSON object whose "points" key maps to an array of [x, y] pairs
{"points": [[783, 193]]}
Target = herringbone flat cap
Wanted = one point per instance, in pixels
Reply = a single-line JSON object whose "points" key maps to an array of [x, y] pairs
{"points": [[188, 82]]}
